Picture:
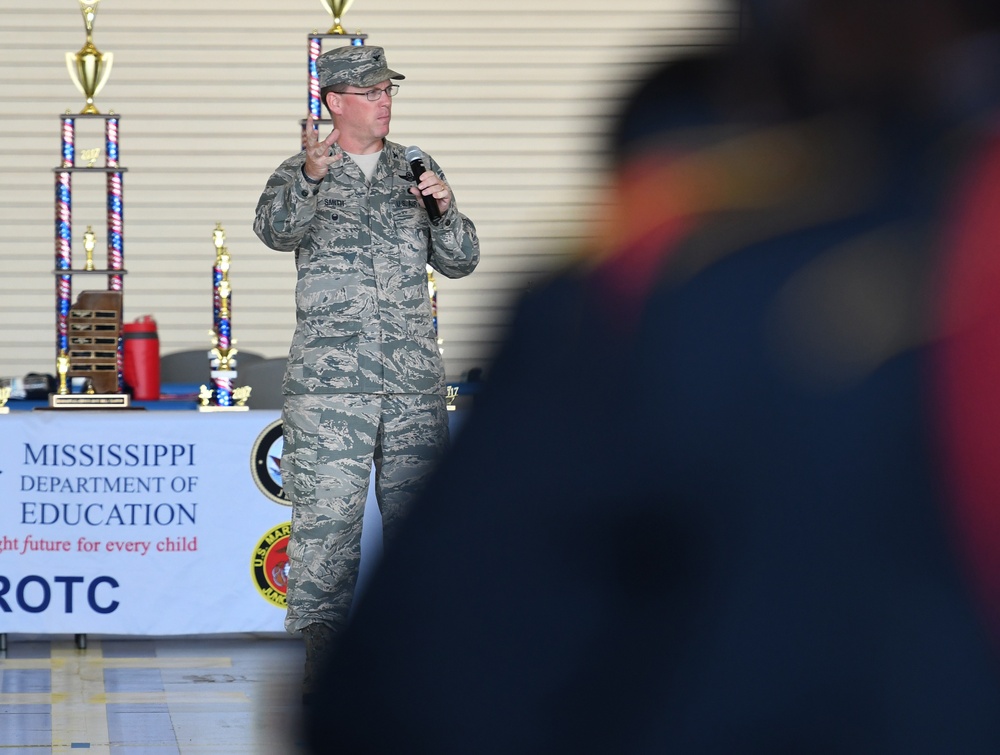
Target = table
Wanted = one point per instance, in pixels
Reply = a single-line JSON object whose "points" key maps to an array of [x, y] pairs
{"points": [[132, 522]]}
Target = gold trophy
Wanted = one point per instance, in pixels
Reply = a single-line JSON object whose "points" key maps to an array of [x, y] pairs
{"points": [[89, 67], [218, 238], [62, 369], [337, 9], [4, 396], [205, 395], [89, 242]]}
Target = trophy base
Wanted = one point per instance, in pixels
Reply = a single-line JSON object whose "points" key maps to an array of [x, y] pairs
{"points": [[243, 408], [89, 401], [4, 410]]}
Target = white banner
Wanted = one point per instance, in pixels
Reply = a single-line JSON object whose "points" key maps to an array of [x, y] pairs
{"points": [[141, 522]]}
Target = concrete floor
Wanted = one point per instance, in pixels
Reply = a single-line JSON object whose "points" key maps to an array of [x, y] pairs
{"points": [[186, 696]]}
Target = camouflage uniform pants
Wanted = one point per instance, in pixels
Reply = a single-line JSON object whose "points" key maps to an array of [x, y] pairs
{"points": [[330, 443]]}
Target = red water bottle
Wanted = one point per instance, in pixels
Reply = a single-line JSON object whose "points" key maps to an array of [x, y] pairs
{"points": [[142, 358]]}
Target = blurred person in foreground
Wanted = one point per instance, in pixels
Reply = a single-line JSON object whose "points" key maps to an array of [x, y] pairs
{"points": [[365, 379], [754, 506]]}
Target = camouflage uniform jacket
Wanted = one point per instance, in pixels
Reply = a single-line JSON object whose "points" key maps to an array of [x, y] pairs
{"points": [[363, 315]]}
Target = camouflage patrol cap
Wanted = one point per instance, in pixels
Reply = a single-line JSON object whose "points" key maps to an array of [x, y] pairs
{"points": [[358, 66]]}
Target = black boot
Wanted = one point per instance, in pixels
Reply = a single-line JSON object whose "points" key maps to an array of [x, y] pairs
{"points": [[319, 644]]}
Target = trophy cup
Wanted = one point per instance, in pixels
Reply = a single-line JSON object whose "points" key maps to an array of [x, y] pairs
{"points": [[89, 68], [337, 9]]}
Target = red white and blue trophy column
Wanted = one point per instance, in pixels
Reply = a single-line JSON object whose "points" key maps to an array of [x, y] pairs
{"points": [[337, 9]]}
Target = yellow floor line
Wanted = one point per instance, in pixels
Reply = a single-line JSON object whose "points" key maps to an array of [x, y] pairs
{"points": [[30, 698], [78, 698], [169, 698], [199, 697], [84, 661], [74, 720]]}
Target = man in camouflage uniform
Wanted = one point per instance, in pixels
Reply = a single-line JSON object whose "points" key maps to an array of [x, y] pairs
{"points": [[365, 379]]}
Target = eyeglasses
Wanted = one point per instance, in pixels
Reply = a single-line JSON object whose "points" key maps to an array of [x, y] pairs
{"points": [[374, 94]]}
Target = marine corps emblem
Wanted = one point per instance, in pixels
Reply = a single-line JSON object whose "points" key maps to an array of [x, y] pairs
{"points": [[269, 565]]}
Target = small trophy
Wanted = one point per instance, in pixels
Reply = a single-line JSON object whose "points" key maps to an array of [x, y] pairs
{"points": [[89, 242], [4, 396], [89, 68], [337, 9], [219, 238], [221, 396], [62, 369]]}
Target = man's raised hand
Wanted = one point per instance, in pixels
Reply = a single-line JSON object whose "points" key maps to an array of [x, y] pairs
{"points": [[318, 157]]}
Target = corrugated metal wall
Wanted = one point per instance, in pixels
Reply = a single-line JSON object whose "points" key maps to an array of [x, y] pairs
{"points": [[513, 99]]}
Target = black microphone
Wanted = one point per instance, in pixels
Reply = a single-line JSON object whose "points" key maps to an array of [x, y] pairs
{"points": [[416, 160]]}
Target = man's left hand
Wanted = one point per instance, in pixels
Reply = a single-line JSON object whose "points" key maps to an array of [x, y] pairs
{"points": [[431, 185]]}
